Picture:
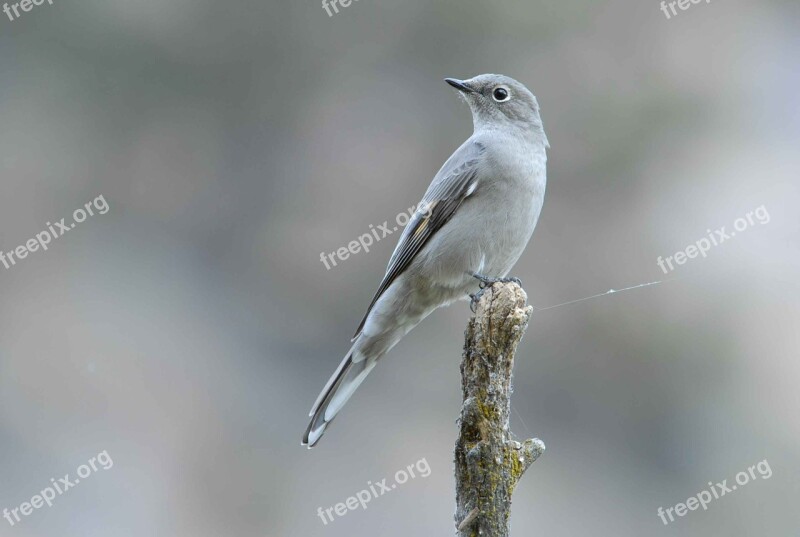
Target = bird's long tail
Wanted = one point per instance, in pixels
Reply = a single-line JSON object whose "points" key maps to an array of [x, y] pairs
{"points": [[348, 377]]}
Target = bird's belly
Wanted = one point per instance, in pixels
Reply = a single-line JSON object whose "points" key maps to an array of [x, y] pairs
{"points": [[481, 241]]}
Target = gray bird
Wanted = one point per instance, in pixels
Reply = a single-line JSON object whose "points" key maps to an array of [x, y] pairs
{"points": [[471, 227]]}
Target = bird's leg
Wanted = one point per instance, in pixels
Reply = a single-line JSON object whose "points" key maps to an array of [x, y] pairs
{"points": [[486, 282]]}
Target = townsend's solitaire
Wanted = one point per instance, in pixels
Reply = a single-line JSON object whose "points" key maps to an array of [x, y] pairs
{"points": [[472, 225]]}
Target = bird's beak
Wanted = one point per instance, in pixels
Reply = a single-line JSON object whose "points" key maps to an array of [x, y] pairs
{"points": [[460, 85]]}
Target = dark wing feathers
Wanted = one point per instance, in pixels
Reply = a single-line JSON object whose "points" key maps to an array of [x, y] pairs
{"points": [[451, 186]]}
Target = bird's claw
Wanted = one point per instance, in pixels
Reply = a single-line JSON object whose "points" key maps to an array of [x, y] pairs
{"points": [[474, 299], [487, 282]]}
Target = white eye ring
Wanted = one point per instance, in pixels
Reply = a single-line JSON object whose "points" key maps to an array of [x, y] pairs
{"points": [[504, 94]]}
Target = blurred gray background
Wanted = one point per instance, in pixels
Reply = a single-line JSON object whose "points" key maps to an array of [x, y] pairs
{"points": [[189, 329]]}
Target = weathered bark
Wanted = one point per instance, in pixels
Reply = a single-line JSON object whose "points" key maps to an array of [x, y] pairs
{"points": [[488, 462]]}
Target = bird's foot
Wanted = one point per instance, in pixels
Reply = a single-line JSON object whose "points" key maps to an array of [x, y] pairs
{"points": [[474, 299], [487, 282]]}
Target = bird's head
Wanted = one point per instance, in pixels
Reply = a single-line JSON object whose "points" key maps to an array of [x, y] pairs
{"points": [[498, 102]]}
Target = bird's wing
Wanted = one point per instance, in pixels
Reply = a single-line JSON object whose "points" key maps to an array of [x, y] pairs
{"points": [[452, 185]]}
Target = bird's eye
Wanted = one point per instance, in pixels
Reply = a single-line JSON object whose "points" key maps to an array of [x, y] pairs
{"points": [[501, 94]]}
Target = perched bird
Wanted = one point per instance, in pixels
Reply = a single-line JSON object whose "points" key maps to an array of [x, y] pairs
{"points": [[471, 227]]}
